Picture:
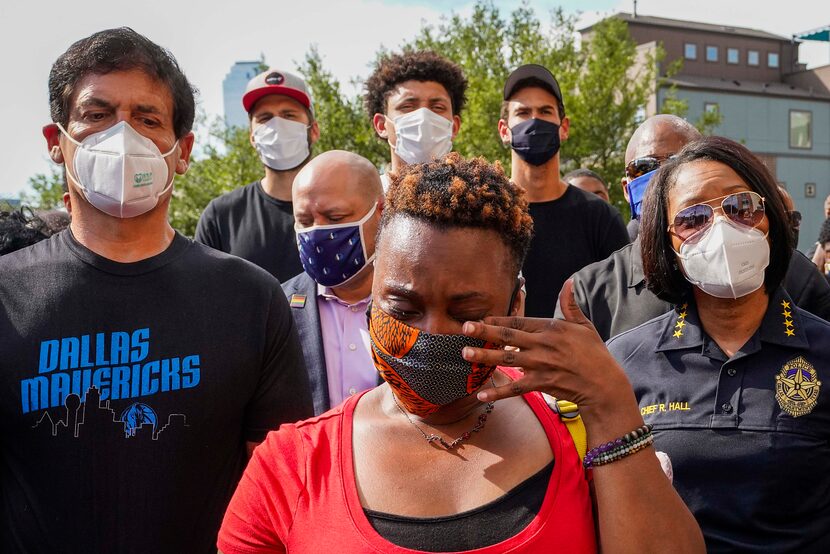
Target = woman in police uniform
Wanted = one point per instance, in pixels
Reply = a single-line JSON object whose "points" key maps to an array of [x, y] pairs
{"points": [[731, 379]]}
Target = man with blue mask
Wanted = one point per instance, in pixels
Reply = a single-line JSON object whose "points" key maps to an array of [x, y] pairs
{"points": [[338, 200], [572, 228], [141, 368], [612, 293], [656, 140], [255, 221], [414, 101]]}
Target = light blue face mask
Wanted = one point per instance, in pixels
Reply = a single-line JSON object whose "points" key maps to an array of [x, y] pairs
{"points": [[636, 191]]}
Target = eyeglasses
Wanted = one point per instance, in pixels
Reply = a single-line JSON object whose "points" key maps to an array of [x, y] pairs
{"points": [[640, 166], [795, 219], [744, 208]]}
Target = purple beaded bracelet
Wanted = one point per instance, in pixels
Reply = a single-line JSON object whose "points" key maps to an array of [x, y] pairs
{"points": [[617, 449]]}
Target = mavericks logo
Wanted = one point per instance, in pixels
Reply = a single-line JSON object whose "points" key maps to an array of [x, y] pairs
{"points": [[143, 179], [797, 387]]}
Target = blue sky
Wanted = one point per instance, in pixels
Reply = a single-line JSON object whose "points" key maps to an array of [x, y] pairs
{"points": [[209, 36]]}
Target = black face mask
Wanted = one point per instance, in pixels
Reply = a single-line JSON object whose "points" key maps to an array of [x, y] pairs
{"points": [[535, 141]]}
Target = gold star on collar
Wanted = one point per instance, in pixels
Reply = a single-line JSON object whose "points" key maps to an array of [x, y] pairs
{"points": [[680, 321], [789, 328]]}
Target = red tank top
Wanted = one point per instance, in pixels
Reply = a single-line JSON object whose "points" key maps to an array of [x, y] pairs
{"points": [[299, 495]]}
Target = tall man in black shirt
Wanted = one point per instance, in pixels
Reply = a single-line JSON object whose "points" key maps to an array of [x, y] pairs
{"points": [[572, 228], [255, 222], [137, 365]]}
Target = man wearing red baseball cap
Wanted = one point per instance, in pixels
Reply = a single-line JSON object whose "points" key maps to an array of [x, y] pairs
{"points": [[256, 221]]}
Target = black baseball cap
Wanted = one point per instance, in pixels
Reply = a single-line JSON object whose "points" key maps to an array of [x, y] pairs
{"points": [[532, 71]]}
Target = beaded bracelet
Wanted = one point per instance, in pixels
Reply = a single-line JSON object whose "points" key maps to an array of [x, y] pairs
{"points": [[626, 445]]}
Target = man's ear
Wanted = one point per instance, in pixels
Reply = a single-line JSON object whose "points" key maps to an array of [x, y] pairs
{"points": [[564, 129], [314, 132], [185, 148], [53, 142], [624, 182], [379, 122], [504, 132], [456, 125]]}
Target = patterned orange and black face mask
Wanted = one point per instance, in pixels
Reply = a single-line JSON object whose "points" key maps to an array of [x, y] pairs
{"points": [[426, 371]]}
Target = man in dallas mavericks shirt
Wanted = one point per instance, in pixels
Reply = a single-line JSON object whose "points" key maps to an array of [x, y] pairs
{"points": [[139, 368]]}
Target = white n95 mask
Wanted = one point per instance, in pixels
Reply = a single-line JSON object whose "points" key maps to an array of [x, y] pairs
{"points": [[728, 261], [422, 135], [119, 171], [282, 144]]}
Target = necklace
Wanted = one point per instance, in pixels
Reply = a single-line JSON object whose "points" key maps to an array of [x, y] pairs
{"points": [[433, 438]]}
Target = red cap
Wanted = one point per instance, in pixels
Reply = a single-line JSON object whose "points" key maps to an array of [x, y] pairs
{"points": [[275, 81]]}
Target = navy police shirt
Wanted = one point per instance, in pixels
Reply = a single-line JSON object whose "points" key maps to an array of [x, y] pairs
{"points": [[747, 435]]}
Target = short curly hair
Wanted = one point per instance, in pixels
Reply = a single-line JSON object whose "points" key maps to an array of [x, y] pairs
{"points": [[458, 192], [420, 65]]}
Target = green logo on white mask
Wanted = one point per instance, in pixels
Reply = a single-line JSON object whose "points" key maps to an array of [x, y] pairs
{"points": [[143, 179]]}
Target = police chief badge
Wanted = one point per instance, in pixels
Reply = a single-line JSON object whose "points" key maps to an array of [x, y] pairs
{"points": [[797, 387]]}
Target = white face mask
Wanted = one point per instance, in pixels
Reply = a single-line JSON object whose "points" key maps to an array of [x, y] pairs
{"points": [[728, 261], [120, 172], [282, 144], [422, 135]]}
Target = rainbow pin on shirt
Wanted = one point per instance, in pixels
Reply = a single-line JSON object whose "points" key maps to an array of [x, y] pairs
{"points": [[297, 301]]}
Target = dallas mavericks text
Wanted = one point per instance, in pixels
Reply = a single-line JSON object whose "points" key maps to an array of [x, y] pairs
{"points": [[115, 363]]}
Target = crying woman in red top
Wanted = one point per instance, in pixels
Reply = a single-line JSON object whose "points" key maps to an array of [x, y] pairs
{"points": [[456, 452]]}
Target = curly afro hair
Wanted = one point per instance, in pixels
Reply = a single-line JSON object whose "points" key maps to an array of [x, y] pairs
{"points": [[458, 192], [422, 65]]}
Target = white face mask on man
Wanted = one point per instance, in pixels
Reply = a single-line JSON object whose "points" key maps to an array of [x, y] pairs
{"points": [[422, 135], [728, 261], [119, 171], [282, 144]]}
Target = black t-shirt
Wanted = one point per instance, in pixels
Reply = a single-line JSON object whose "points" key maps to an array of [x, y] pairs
{"points": [[570, 232], [249, 223], [130, 391]]}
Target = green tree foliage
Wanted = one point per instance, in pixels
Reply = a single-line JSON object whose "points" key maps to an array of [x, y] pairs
{"points": [[47, 190], [342, 120], [227, 161]]}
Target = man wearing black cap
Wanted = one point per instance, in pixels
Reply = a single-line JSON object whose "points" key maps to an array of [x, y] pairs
{"points": [[255, 222], [573, 228]]}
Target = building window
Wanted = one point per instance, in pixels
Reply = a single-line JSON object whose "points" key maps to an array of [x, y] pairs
{"points": [[690, 51], [711, 107], [733, 55], [801, 129], [752, 57], [711, 53], [772, 59]]}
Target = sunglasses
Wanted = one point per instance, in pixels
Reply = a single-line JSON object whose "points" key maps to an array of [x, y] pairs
{"points": [[640, 166], [744, 208]]}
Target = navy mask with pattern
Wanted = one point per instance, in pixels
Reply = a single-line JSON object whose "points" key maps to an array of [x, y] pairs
{"points": [[333, 254], [536, 141]]}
